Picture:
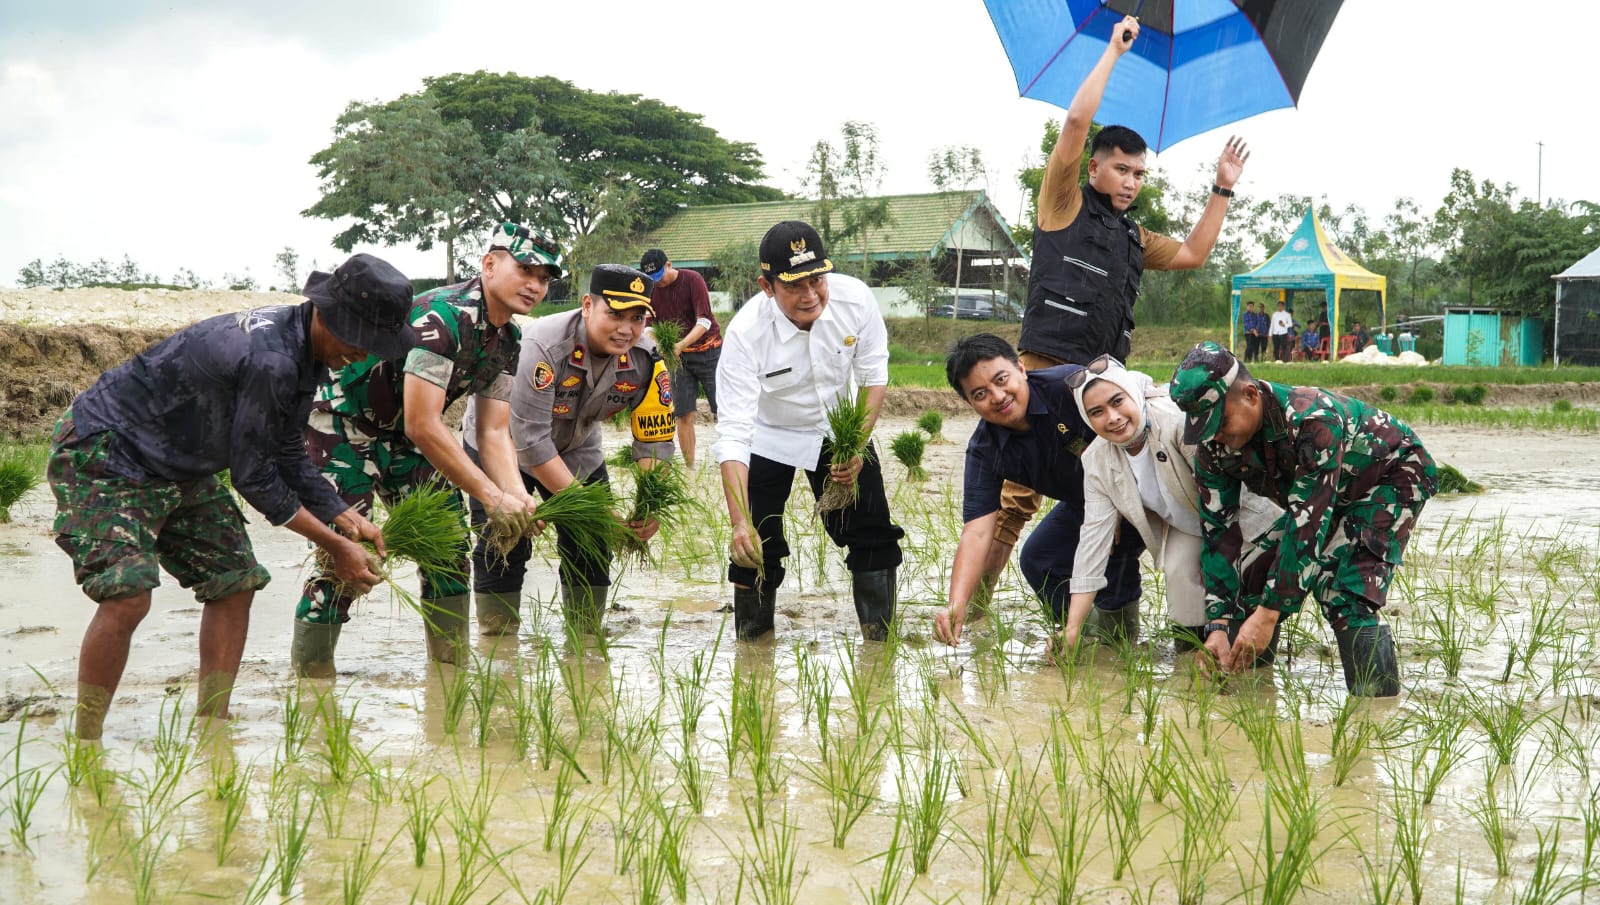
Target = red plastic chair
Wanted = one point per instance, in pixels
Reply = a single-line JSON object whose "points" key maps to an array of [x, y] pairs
{"points": [[1347, 346], [1321, 351]]}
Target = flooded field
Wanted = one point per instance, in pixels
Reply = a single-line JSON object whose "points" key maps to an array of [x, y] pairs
{"points": [[671, 764]]}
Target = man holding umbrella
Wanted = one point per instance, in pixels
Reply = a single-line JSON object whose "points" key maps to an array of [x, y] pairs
{"points": [[1089, 255]]}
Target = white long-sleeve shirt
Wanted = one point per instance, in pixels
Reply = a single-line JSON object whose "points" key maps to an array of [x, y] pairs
{"points": [[774, 380]]}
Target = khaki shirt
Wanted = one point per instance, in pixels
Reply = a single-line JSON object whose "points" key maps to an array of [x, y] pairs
{"points": [[562, 394]]}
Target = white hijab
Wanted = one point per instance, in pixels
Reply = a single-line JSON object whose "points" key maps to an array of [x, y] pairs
{"points": [[1136, 384]]}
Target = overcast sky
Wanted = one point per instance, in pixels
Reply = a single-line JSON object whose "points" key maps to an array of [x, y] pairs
{"points": [[178, 131]]}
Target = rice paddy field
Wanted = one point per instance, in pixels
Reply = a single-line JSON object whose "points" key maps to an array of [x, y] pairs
{"points": [[666, 763]]}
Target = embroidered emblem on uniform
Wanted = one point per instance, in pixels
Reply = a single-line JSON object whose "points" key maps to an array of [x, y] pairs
{"points": [[637, 285], [622, 360], [1061, 428], [543, 376], [849, 340], [622, 386], [572, 381], [562, 409], [1077, 446], [664, 387], [577, 355]]}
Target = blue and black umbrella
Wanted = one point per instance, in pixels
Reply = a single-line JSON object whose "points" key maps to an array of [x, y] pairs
{"points": [[1196, 65]]}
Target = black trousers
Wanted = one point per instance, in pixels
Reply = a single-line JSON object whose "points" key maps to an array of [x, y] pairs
{"points": [[505, 576], [865, 529]]}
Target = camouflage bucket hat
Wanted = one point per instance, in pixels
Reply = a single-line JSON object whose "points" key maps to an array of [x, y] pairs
{"points": [[1199, 386], [527, 246]]}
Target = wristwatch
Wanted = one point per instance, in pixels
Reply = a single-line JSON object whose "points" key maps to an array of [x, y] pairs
{"points": [[1205, 632], [1219, 190]]}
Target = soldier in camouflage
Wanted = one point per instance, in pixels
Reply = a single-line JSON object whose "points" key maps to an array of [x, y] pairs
{"points": [[377, 428], [1351, 479], [135, 460], [576, 371]]}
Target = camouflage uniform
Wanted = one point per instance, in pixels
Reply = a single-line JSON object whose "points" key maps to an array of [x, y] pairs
{"points": [[1351, 479], [356, 433], [561, 397]]}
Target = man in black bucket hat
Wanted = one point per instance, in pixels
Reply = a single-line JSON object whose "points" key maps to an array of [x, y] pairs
{"points": [[135, 460]]}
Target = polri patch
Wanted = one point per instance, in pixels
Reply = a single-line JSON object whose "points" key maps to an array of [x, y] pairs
{"points": [[543, 376], [561, 409], [664, 387], [572, 381], [623, 386]]}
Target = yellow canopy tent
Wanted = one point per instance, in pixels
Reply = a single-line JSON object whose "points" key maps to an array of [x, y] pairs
{"points": [[1310, 261]]}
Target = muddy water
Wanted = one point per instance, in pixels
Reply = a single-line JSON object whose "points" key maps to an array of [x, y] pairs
{"points": [[1012, 726]]}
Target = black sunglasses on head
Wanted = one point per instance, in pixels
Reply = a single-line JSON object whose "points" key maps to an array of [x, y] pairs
{"points": [[1093, 369]]}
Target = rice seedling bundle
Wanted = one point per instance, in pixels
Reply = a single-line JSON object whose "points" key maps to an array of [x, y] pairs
{"points": [[424, 528], [908, 448], [661, 493], [847, 436], [584, 512], [932, 424], [1451, 480], [18, 475], [668, 335]]}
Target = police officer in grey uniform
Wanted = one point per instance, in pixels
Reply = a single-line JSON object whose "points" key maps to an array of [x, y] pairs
{"points": [[577, 370]]}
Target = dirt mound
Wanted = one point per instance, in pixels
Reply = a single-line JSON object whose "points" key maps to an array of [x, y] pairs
{"points": [[42, 369]]}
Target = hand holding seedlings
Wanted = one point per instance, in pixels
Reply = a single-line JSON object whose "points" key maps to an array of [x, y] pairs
{"points": [[742, 547], [947, 624], [1253, 638], [845, 472], [357, 527]]}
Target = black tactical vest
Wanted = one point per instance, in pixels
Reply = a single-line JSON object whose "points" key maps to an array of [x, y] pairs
{"points": [[1082, 285]]}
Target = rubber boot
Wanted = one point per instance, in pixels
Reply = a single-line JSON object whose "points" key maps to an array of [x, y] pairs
{"points": [[875, 594], [584, 606], [1113, 626], [1368, 656], [444, 620], [93, 704], [1185, 638], [753, 610], [499, 614], [313, 647]]}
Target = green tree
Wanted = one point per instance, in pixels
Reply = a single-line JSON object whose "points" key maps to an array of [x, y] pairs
{"points": [[288, 262], [605, 139], [735, 269], [404, 174], [845, 180]]}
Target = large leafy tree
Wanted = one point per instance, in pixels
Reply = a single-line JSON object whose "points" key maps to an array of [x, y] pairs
{"points": [[402, 173], [606, 139]]}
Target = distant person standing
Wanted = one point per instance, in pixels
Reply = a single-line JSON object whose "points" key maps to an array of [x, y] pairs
{"points": [[1282, 323], [680, 296], [1089, 256], [1255, 329]]}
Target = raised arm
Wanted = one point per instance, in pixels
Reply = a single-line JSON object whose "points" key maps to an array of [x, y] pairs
{"points": [[1195, 249]]}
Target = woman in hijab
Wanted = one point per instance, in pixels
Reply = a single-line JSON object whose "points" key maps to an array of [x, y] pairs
{"points": [[1139, 469]]}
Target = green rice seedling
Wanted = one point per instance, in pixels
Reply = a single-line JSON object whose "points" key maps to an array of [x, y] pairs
{"points": [[538, 699], [422, 815], [1160, 765], [1069, 849], [1292, 819], [1411, 831], [925, 806], [1471, 394], [144, 862], [661, 494], [1206, 801], [634, 793], [296, 722], [20, 472], [908, 447], [1420, 395], [1023, 806], [26, 787], [560, 809], [995, 849], [358, 872], [672, 848], [1505, 722], [1380, 870], [1546, 884], [1122, 786], [861, 679], [291, 830], [847, 771], [1388, 394], [1449, 636], [691, 779], [771, 871], [689, 687], [341, 755], [893, 886], [1497, 824], [848, 436], [1442, 747], [1255, 717], [483, 692], [455, 688], [668, 334], [230, 791], [931, 423], [1561, 406], [1353, 732], [425, 528], [571, 855]]}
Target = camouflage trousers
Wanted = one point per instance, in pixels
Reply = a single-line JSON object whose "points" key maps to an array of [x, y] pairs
{"points": [[120, 532], [1350, 577], [359, 470]]}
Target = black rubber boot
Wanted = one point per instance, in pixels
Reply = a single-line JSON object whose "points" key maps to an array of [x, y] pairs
{"points": [[499, 614], [875, 594], [584, 606], [1185, 638], [444, 621], [1113, 626], [1368, 656], [752, 611], [312, 650]]}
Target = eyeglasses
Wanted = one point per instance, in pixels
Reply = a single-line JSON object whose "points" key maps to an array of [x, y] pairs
{"points": [[1093, 369]]}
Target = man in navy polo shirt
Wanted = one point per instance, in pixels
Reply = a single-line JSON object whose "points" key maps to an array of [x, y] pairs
{"points": [[1031, 435]]}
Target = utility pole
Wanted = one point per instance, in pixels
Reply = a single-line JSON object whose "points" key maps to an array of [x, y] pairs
{"points": [[1539, 190]]}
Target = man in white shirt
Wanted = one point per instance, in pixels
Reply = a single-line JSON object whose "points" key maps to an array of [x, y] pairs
{"points": [[1282, 321], [809, 338]]}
